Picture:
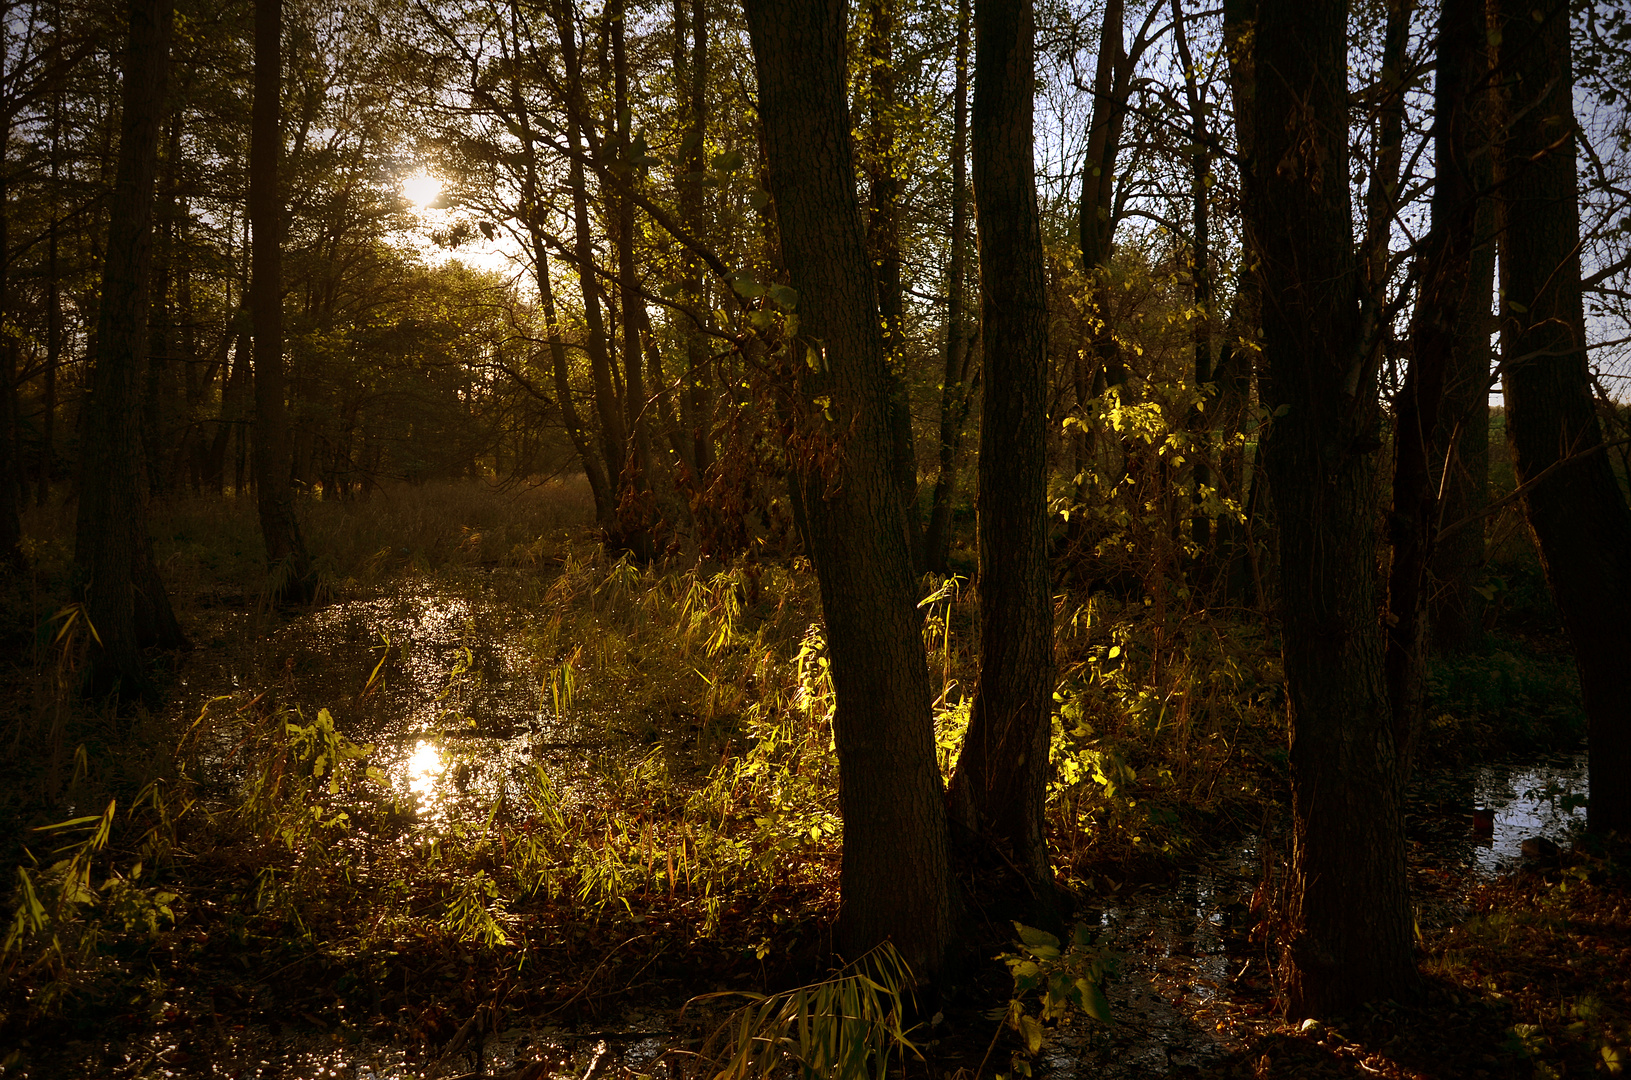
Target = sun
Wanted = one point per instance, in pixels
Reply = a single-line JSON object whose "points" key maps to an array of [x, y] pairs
{"points": [[421, 189]]}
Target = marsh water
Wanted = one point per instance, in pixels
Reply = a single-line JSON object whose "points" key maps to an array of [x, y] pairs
{"points": [[457, 707]]}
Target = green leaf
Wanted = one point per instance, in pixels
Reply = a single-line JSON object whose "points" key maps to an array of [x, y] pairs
{"points": [[1033, 938], [1031, 1029], [759, 198], [1094, 1003], [786, 298], [729, 161]]}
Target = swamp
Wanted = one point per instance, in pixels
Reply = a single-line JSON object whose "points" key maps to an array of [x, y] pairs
{"points": [[815, 539]]}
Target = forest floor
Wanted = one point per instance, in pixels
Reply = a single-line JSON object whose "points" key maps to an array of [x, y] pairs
{"points": [[500, 804]]}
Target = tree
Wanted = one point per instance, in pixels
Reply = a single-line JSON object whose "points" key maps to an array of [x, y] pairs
{"points": [[1572, 501], [999, 792], [958, 370], [124, 596], [293, 580], [895, 881], [1443, 392], [1349, 913]]}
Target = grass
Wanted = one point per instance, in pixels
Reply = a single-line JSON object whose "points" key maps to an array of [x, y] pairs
{"points": [[635, 785]]}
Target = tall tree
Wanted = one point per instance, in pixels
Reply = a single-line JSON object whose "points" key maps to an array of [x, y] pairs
{"points": [[959, 370], [1572, 501], [883, 240], [1446, 317], [895, 881], [293, 580], [999, 792], [1349, 911], [124, 596]]}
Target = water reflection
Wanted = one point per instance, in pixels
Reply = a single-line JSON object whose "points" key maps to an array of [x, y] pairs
{"points": [[424, 771], [1546, 800]]}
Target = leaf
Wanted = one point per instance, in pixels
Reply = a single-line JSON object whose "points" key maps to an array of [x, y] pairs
{"points": [[759, 198], [729, 161], [786, 298], [1031, 1029], [1034, 938], [1094, 1003]]}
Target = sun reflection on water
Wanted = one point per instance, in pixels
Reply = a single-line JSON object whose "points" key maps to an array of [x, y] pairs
{"points": [[425, 770]]}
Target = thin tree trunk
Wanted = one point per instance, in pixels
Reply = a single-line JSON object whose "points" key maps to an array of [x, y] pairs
{"points": [[1460, 450], [1200, 173], [594, 468], [999, 791], [883, 242], [124, 596], [613, 434], [955, 388], [293, 580], [1575, 508], [895, 883], [692, 76], [11, 465], [1438, 329], [1349, 916]]}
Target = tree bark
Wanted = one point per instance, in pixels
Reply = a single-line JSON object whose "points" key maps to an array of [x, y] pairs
{"points": [[883, 241], [895, 882], [613, 434], [124, 596], [292, 579], [999, 791], [1200, 272], [1576, 511], [957, 374], [1349, 913], [594, 468], [1448, 292]]}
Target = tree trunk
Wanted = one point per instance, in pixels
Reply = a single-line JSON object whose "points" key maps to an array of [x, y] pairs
{"points": [[894, 882], [1349, 917], [698, 401], [1000, 788], [11, 464], [1448, 289], [124, 596], [594, 468], [1460, 451], [292, 579], [613, 434], [955, 388], [1575, 508], [1238, 353], [883, 242], [1200, 179]]}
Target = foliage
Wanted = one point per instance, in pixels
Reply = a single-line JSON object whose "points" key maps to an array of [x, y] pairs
{"points": [[1061, 978], [842, 1028]]}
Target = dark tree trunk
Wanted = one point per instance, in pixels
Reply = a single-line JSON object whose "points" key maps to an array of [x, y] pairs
{"points": [[11, 464], [1460, 451], [895, 882], [124, 596], [1238, 354], [1200, 174], [631, 306], [1000, 788], [1448, 289], [594, 468], [692, 77], [293, 580], [957, 377], [613, 434], [883, 241], [159, 397], [1575, 507], [1349, 914], [53, 314]]}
